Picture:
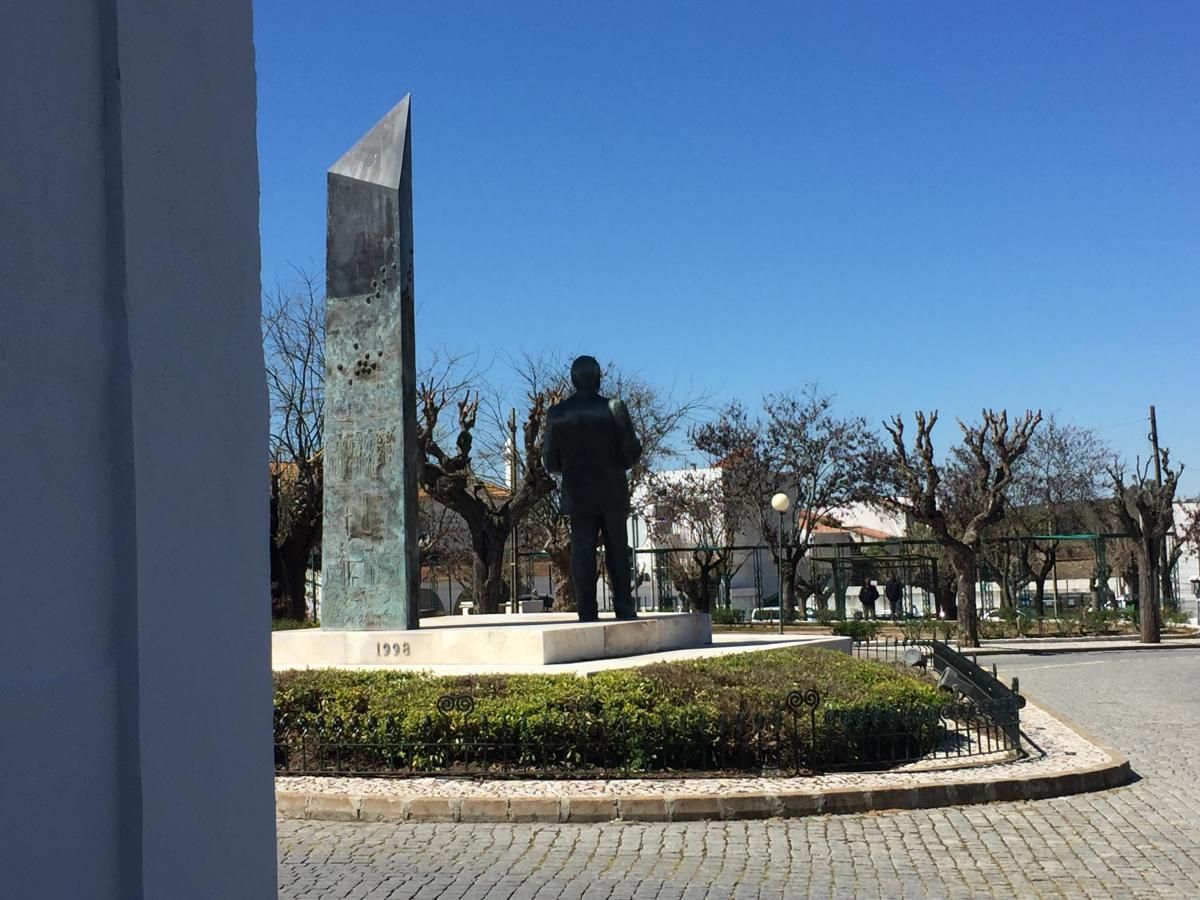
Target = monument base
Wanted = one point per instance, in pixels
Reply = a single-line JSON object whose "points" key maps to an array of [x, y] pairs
{"points": [[525, 640]]}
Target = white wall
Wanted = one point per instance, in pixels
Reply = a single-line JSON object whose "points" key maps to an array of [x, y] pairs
{"points": [[1189, 564], [134, 687]]}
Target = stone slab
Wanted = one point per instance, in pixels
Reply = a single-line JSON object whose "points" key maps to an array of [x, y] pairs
{"points": [[524, 640]]}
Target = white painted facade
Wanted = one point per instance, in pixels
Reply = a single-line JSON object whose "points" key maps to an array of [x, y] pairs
{"points": [[1189, 566], [134, 659], [755, 576]]}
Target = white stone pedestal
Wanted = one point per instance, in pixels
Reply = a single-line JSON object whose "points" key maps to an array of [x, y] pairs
{"points": [[524, 640]]}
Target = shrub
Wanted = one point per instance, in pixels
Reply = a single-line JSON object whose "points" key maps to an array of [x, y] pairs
{"points": [[728, 616], [946, 628], [826, 617], [1027, 623], [1176, 617], [725, 712], [992, 629], [858, 630], [293, 624], [914, 629], [1127, 615]]}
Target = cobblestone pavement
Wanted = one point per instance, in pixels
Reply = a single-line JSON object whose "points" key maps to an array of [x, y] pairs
{"points": [[1138, 841]]}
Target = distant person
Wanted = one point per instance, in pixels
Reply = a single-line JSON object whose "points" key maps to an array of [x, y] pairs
{"points": [[591, 442], [895, 596], [867, 595]]}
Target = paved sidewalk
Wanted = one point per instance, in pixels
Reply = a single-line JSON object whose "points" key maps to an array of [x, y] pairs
{"points": [[1137, 841]]}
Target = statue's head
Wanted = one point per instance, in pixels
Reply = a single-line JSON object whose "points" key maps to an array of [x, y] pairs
{"points": [[585, 374]]}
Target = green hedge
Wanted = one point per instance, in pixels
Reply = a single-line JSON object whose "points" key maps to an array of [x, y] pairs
{"points": [[858, 630], [293, 624], [722, 616], [727, 712]]}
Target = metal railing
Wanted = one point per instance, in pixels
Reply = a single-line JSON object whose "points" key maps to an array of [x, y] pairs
{"points": [[958, 674]]}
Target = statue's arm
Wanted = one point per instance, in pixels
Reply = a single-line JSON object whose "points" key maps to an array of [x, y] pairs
{"points": [[551, 454], [631, 446]]}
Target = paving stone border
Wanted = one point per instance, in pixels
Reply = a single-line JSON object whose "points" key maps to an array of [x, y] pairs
{"points": [[1091, 766]]}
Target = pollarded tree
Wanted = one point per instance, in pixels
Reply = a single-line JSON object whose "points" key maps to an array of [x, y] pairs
{"points": [[1146, 510], [453, 480], [823, 462], [959, 501]]}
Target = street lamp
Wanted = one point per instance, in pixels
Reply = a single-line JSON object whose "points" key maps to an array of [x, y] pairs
{"points": [[780, 504]]}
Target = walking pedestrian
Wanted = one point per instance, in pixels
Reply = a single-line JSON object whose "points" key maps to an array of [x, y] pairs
{"points": [[867, 595], [893, 590]]}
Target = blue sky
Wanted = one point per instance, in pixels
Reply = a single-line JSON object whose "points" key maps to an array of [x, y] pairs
{"points": [[938, 205]]}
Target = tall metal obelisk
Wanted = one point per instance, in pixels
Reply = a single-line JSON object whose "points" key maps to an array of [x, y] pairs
{"points": [[370, 565]]}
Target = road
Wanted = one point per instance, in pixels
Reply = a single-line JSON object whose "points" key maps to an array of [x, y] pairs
{"points": [[1142, 840]]}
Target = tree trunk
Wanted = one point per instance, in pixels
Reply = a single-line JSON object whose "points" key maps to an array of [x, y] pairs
{"points": [[488, 568], [1040, 573], [1007, 601], [1148, 612], [1132, 583], [966, 568], [1008, 585], [822, 597], [1039, 594], [968, 615], [704, 600], [564, 588], [788, 606], [289, 569], [1164, 577], [945, 595]]}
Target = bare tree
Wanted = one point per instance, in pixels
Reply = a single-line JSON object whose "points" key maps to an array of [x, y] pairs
{"points": [[822, 461], [1055, 485], [453, 480], [294, 348], [983, 475], [1146, 510], [696, 520], [1008, 562]]}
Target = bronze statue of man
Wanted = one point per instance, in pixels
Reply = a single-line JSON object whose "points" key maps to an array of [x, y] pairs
{"points": [[591, 442]]}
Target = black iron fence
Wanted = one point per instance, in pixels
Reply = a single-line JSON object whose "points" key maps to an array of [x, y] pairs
{"points": [[958, 675], [801, 735]]}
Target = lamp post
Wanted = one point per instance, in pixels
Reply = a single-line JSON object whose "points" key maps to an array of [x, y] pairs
{"points": [[780, 504]]}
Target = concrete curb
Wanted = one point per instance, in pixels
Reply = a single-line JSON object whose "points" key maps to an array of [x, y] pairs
{"points": [[690, 807]]}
